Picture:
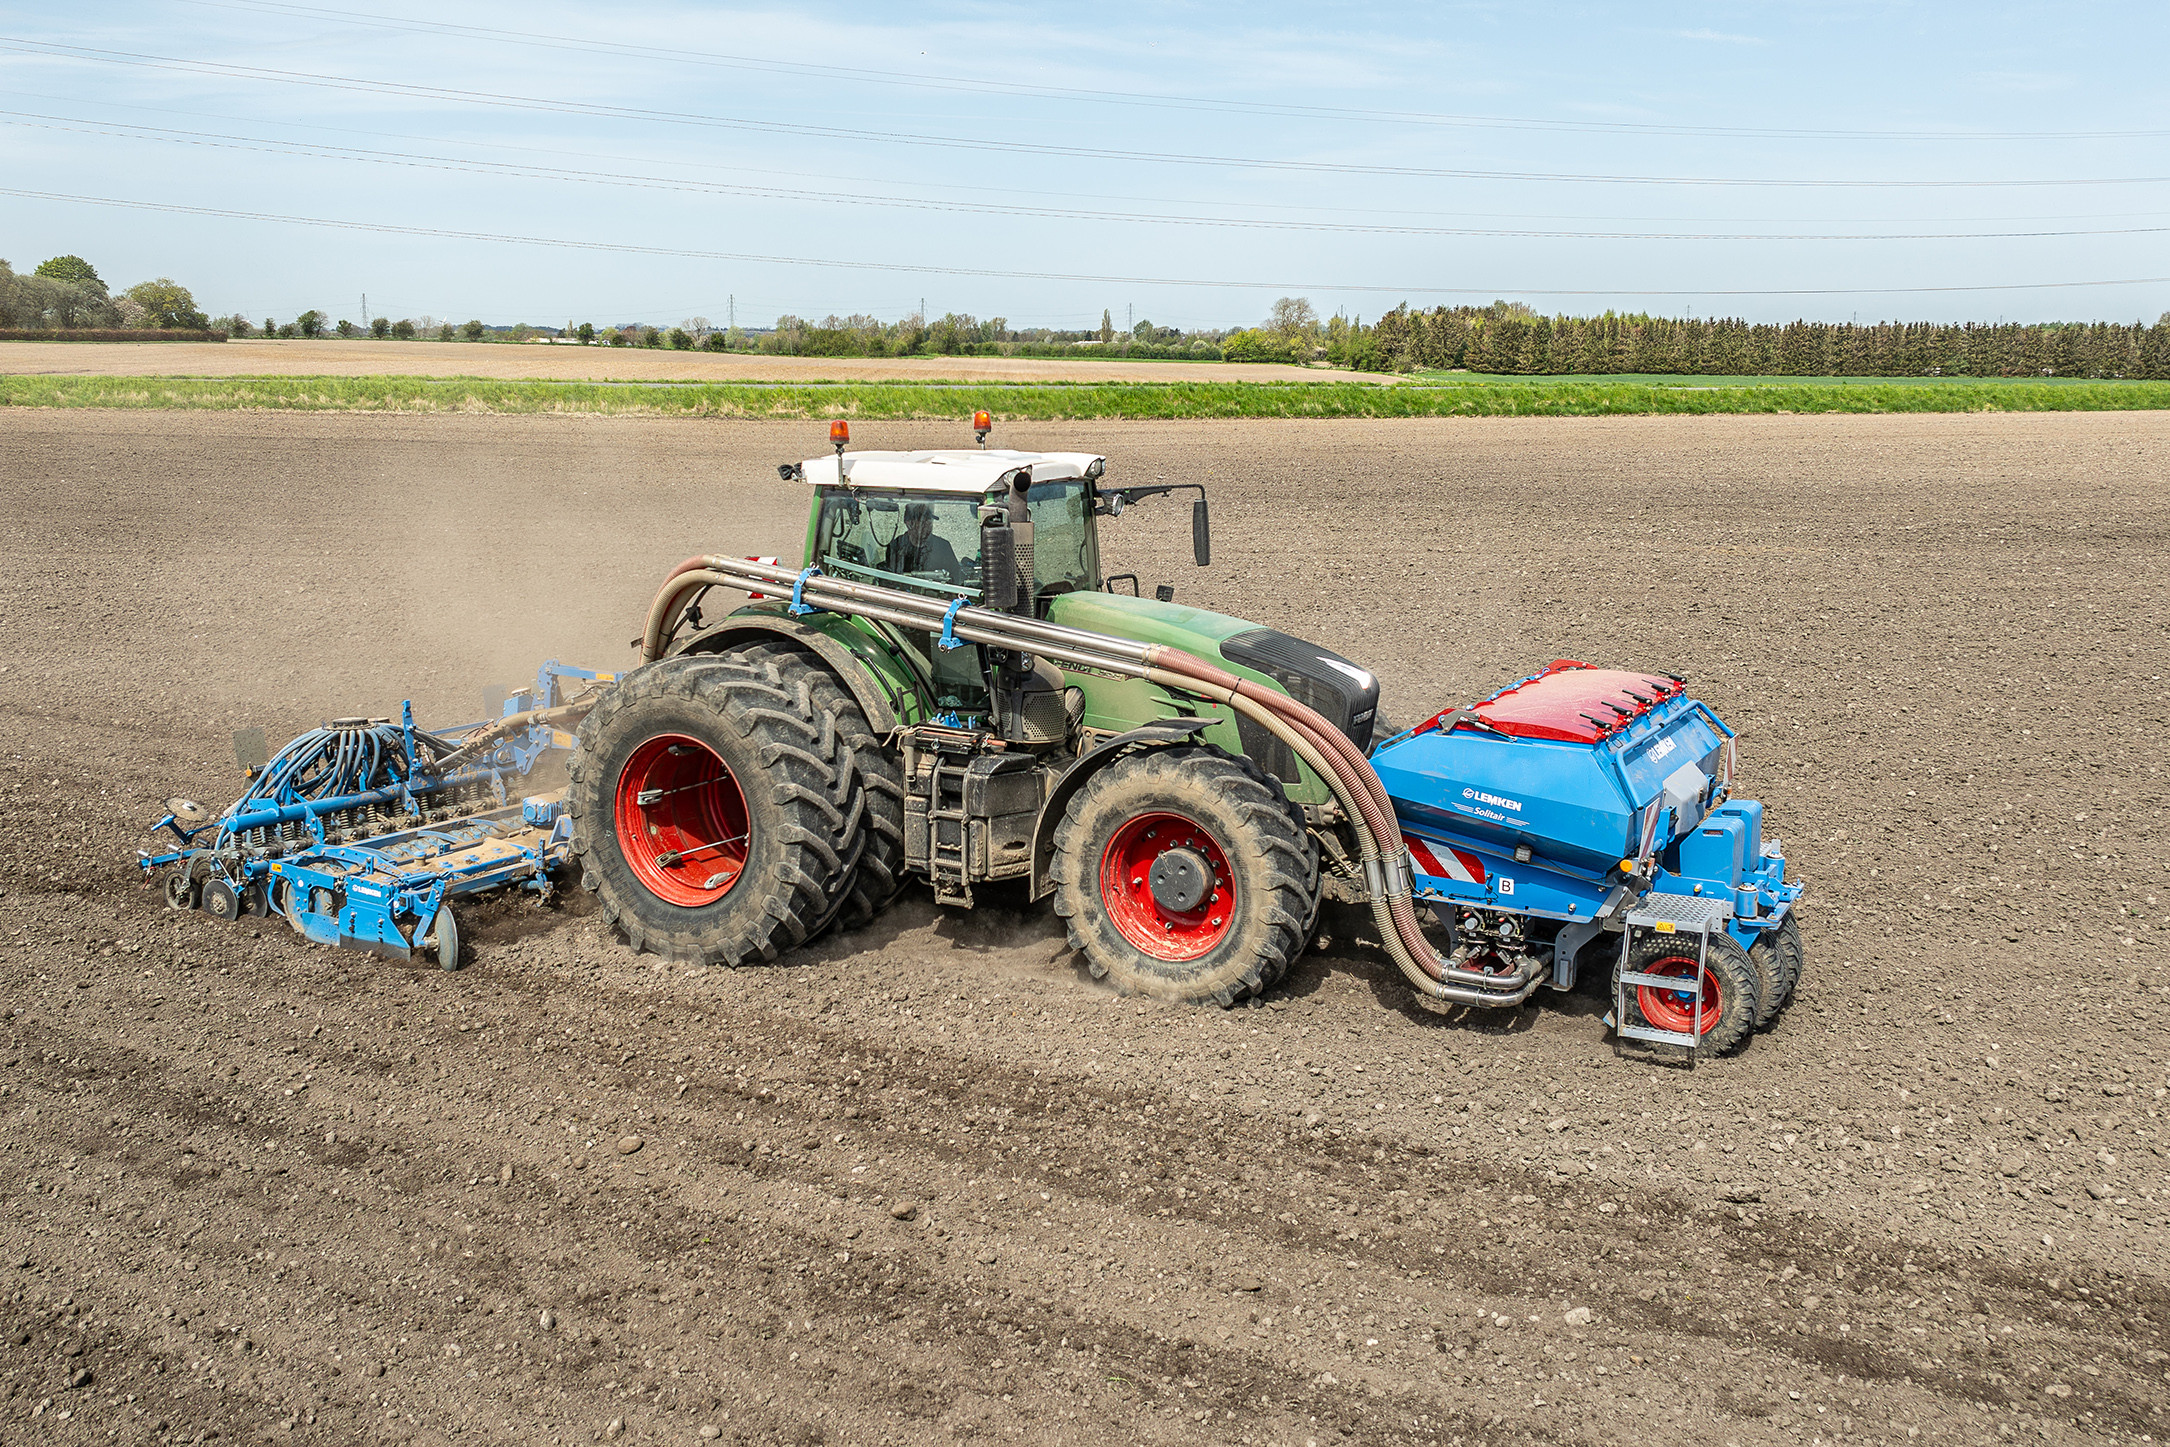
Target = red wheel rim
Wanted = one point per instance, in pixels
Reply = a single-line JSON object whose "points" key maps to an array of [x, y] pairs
{"points": [[1126, 889], [681, 821], [1674, 1010]]}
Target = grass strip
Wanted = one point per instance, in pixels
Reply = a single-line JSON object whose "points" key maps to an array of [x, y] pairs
{"points": [[1068, 401]]}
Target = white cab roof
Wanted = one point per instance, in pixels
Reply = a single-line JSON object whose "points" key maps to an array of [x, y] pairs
{"points": [[958, 470]]}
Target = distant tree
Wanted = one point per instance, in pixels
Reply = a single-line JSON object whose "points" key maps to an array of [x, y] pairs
{"points": [[380, 327], [735, 339], [271, 328], [346, 328], [403, 330], [473, 330], [444, 331], [587, 334], [289, 331], [716, 342], [1292, 316], [71, 270], [238, 326], [681, 339], [310, 323], [521, 331], [167, 304], [651, 337], [1107, 327]]}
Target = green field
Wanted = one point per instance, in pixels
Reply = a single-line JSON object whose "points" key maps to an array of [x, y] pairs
{"points": [[1446, 395], [1697, 382]]}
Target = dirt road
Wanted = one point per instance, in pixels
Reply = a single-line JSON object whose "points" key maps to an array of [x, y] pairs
{"points": [[928, 1182], [552, 362]]}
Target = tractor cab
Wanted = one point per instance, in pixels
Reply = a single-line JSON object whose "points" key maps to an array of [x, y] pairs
{"points": [[915, 519], [992, 527]]}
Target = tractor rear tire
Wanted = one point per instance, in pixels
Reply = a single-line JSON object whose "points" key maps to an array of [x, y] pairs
{"points": [[1184, 874], [695, 746], [1729, 989], [881, 876]]}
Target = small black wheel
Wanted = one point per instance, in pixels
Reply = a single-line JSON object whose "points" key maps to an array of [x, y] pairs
{"points": [[1728, 1016], [1770, 970], [180, 890], [221, 900], [1182, 874], [1792, 954], [444, 938]]}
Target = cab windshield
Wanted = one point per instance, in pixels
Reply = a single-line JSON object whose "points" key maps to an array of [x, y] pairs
{"points": [[932, 541], [910, 540]]}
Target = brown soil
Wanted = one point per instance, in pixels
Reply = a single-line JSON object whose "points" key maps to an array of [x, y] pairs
{"points": [[928, 1182], [540, 361]]}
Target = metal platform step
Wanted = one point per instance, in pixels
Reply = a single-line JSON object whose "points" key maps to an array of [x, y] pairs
{"points": [[1699, 915]]}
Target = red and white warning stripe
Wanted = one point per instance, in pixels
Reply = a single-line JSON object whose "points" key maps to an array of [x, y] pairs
{"points": [[1441, 862]]}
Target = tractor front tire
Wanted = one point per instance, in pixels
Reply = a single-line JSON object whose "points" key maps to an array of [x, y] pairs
{"points": [[1730, 993], [1183, 874], [715, 810]]}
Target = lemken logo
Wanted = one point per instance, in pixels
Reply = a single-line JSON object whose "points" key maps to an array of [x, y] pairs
{"points": [[1493, 799]]}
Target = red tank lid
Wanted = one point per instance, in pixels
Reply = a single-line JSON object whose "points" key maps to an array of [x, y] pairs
{"points": [[1574, 702]]}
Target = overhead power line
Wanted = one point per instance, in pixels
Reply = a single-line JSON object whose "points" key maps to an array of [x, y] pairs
{"points": [[1016, 148], [980, 85], [529, 171], [1072, 194], [907, 268]]}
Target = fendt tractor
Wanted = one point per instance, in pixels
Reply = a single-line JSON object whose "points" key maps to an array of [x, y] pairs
{"points": [[950, 687]]}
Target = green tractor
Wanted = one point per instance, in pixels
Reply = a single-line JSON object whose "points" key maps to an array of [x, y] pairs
{"points": [[784, 769]]}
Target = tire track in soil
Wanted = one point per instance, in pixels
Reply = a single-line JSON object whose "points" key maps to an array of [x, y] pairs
{"points": [[1235, 1378], [802, 1058]]}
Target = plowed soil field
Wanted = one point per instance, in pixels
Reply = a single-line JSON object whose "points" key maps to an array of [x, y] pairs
{"points": [[929, 1182]]}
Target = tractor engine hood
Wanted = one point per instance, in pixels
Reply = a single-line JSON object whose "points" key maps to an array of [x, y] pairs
{"points": [[1583, 766], [1345, 694]]}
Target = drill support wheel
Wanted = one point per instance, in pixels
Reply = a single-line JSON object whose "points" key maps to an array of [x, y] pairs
{"points": [[1792, 954], [1182, 874], [1770, 968], [1729, 989]]}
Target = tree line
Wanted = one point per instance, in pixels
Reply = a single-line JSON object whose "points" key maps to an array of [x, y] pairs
{"points": [[1509, 338], [66, 293]]}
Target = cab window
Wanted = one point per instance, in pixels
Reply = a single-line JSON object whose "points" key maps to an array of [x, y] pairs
{"points": [[1062, 551], [902, 539]]}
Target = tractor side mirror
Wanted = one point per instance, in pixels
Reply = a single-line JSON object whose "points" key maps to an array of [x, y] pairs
{"points": [[1201, 533]]}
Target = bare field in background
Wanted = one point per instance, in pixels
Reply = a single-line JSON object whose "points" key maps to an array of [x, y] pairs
{"points": [[928, 1182], [509, 361]]}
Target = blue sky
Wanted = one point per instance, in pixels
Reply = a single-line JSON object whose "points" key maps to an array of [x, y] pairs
{"points": [[1178, 162]]}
